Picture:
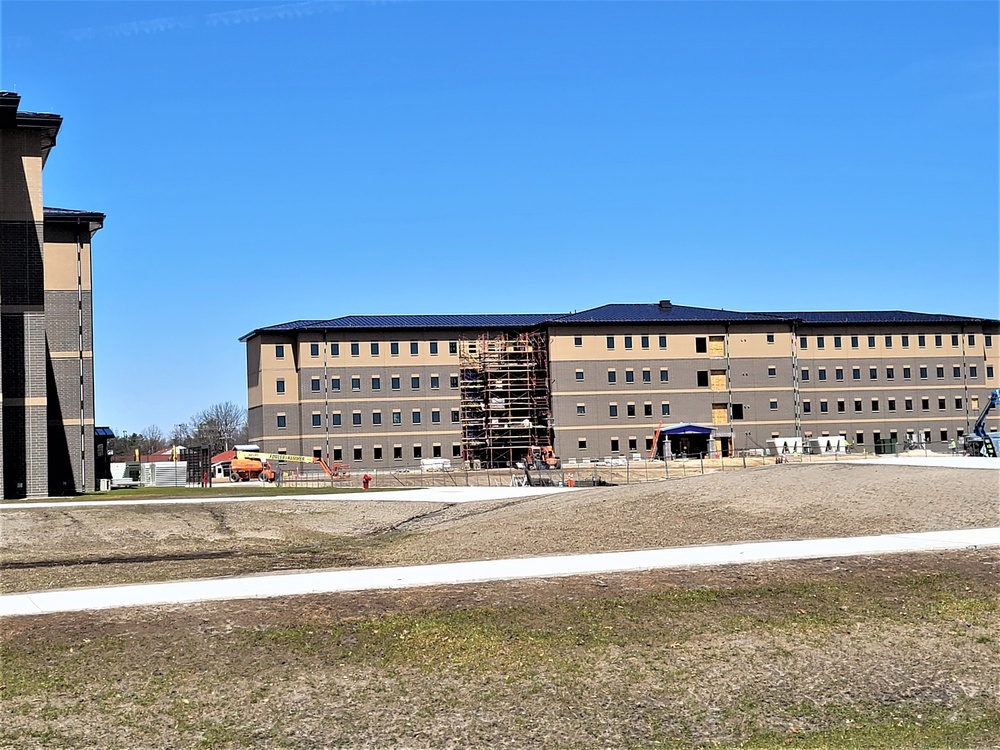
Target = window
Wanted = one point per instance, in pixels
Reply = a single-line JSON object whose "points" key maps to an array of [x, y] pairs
{"points": [[702, 378], [281, 421], [939, 371], [435, 382], [954, 339], [663, 342], [355, 384], [614, 445], [857, 404], [377, 453], [989, 371], [418, 451], [770, 338], [807, 407], [905, 341], [612, 410], [397, 416], [611, 342], [854, 342], [665, 408], [279, 385], [841, 406], [664, 376], [434, 347], [374, 348], [737, 411], [805, 374], [279, 351], [452, 347], [773, 405], [987, 340], [629, 376], [820, 342], [888, 342], [397, 453], [415, 382], [942, 403], [376, 417], [874, 404], [581, 409], [958, 403], [856, 373], [972, 339], [836, 342], [923, 372], [578, 341], [355, 348], [394, 348], [839, 373], [357, 452], [581, 444], [956, 371], [335, 349], [921, 340], [612, 376], [907, 373], [644, 342], [314, 385], [803, 342], [630, 410], [925, 404], [647, 409], [628, 342], [313, 350], [436, 450], [937, 339], [335, 419], [700, 344], [415, 416], [891, 404], [356, 418], [376, 383], [859, 438], [821, 373], [647, 376], [908, 404], [631, 443], [772, 371], [435, 416], [973, 372], [456, 450], [453, 381], [824, 407], [394, 382], [317, 420], [871, 342], [414, 348], [890, 373], [455, 415], [579, 374], [873, 373]]}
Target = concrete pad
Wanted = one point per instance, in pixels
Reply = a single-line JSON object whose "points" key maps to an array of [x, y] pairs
{"points": [[328, 581], [946, 462], [444, 495]]}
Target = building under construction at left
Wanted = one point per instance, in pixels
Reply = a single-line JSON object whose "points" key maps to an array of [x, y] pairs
{"points": [[47, 435]]}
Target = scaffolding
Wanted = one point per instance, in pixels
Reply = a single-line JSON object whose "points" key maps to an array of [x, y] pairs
{"points": [[505, 401]]}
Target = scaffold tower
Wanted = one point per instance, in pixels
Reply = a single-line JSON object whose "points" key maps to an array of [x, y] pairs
{"points": [[505, 397]]}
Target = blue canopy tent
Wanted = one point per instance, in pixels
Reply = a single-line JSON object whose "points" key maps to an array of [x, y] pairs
{"points": [[685, 439]]}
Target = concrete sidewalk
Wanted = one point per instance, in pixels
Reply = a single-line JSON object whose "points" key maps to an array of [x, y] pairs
{"points": [[328, 581]]}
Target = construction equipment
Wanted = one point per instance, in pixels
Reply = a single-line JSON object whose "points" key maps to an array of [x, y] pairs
{"points": [[250, 465], [540, 457], [980, 442]]}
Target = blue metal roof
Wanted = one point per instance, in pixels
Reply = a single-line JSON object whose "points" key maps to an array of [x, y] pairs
{"points": [[656, 313], [860, 317], [413, 322]]}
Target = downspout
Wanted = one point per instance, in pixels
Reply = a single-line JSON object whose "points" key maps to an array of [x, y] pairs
{"points": [[965, 381], [79, 310], [326, 400], [795, 382], [729, 388]]}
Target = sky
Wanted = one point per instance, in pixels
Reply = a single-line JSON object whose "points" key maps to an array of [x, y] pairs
{"points": [[266, 162]]}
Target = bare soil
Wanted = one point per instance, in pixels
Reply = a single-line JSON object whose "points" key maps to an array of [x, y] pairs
{"points": [[895, 651]]}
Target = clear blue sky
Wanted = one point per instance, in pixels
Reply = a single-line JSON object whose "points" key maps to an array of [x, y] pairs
{"points": [[260, 163]]}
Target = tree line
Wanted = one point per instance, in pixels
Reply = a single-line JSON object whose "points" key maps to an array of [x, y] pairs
{"points": [[220, 427]]}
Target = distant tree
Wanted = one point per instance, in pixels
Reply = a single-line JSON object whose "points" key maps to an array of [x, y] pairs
{"points": [[181, 434], [219, 426], [152, 440], [124, 444]]}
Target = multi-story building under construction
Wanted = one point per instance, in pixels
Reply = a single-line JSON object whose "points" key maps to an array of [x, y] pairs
{"points": [[621, 379]]}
